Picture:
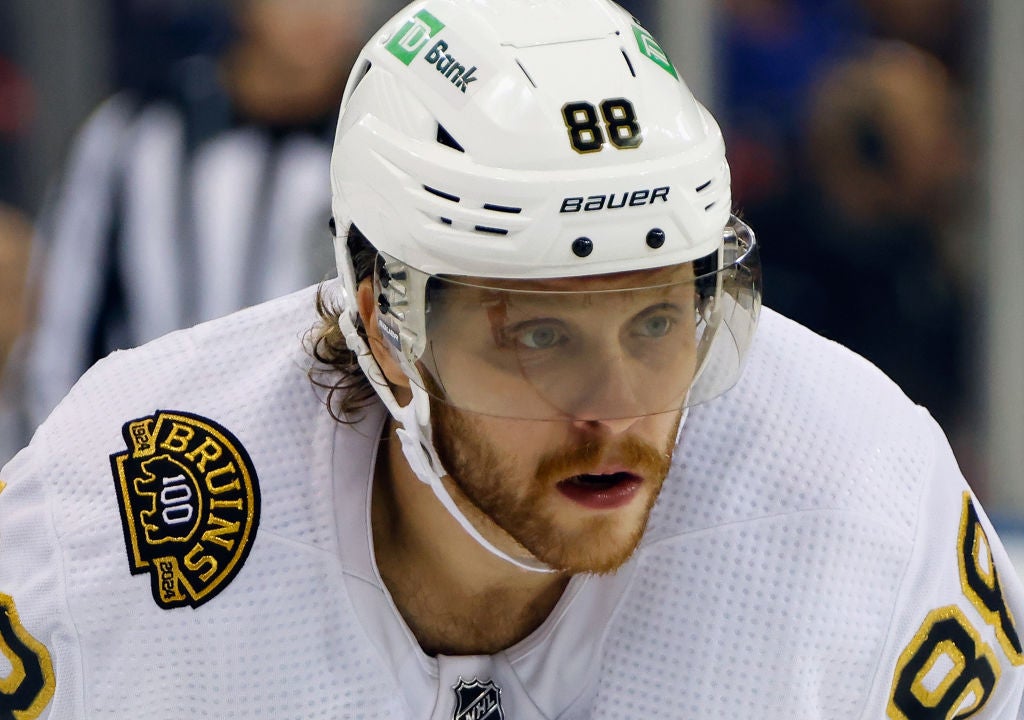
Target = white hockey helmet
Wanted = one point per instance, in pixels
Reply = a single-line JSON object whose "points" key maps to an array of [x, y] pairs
{"points": [[483, 138], [495, 148]]}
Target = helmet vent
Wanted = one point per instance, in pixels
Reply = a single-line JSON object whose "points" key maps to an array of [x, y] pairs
{"points": [[441, 194], [526, 73], [704, 189], [445, 138], [491, 230], [362, 74], [502, 208], [629, 63]]}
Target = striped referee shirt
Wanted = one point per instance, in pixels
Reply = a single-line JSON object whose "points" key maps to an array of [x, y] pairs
{"points": [[172, 211]]}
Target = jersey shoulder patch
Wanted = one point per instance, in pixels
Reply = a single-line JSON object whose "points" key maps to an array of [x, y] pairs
{"points": [[190, 505]]}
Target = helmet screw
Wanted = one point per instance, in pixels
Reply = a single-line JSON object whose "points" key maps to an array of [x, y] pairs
{"points": [[655, 238], [333, 226], [383, 303], [582, 247]]}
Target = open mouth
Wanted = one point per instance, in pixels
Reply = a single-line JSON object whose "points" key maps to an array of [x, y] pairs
{"points": [[600, 482], [601, 491]]}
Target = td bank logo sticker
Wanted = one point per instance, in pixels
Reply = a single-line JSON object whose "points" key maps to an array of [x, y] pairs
{"points": [[414, 36], [439, 57], [650, 47], [190, 505]]}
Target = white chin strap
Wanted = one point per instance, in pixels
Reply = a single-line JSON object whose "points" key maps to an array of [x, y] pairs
{"points": [[417, 443]]}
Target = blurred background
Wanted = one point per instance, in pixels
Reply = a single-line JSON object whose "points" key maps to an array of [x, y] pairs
{"points": [[165, 161]]}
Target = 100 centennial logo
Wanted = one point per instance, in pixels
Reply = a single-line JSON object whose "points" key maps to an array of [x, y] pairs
{"points": [[189, 500]]}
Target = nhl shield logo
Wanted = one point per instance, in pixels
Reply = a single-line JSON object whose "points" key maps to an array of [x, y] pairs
{"points": [[477, 701], [190, 505]]}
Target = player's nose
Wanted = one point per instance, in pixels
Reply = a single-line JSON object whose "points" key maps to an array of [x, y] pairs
{"points": [[607, 393]]}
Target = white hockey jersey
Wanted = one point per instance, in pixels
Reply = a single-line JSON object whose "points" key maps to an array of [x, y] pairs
{"points": [[187, 536]]}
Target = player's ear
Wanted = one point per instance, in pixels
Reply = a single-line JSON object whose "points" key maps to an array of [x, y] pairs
{"points": [[381, 353]]}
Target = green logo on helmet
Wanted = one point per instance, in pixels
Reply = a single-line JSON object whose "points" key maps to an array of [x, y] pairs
{"points": [[650, 47], [414, 36]]}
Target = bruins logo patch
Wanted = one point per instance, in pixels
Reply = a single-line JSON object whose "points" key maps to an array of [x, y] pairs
{"points": [[190, 505]]}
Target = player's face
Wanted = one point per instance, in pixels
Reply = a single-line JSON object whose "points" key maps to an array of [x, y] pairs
{"points": [[569, 458]]}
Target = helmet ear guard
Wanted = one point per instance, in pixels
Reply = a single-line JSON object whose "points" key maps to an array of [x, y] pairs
{"points": [[401, 299]]}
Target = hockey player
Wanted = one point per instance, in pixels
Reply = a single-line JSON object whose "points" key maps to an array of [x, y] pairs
{"points": [[511, 468]]}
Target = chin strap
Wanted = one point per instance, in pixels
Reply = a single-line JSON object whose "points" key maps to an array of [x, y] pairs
{"points": [[417, 443], [679, 430]]}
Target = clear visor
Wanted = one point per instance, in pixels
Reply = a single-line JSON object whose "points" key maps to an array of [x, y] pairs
{"points": [[597, 347]]}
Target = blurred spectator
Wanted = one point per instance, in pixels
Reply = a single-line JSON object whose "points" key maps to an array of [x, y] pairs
{"points": [[15, 235], [195, 196], [859, 248], [851, 158], [886, 175], [885, 140]]}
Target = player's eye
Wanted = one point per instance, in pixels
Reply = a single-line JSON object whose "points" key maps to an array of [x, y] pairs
{"points": [[657, 326], [655, 322], [537, 335]]}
